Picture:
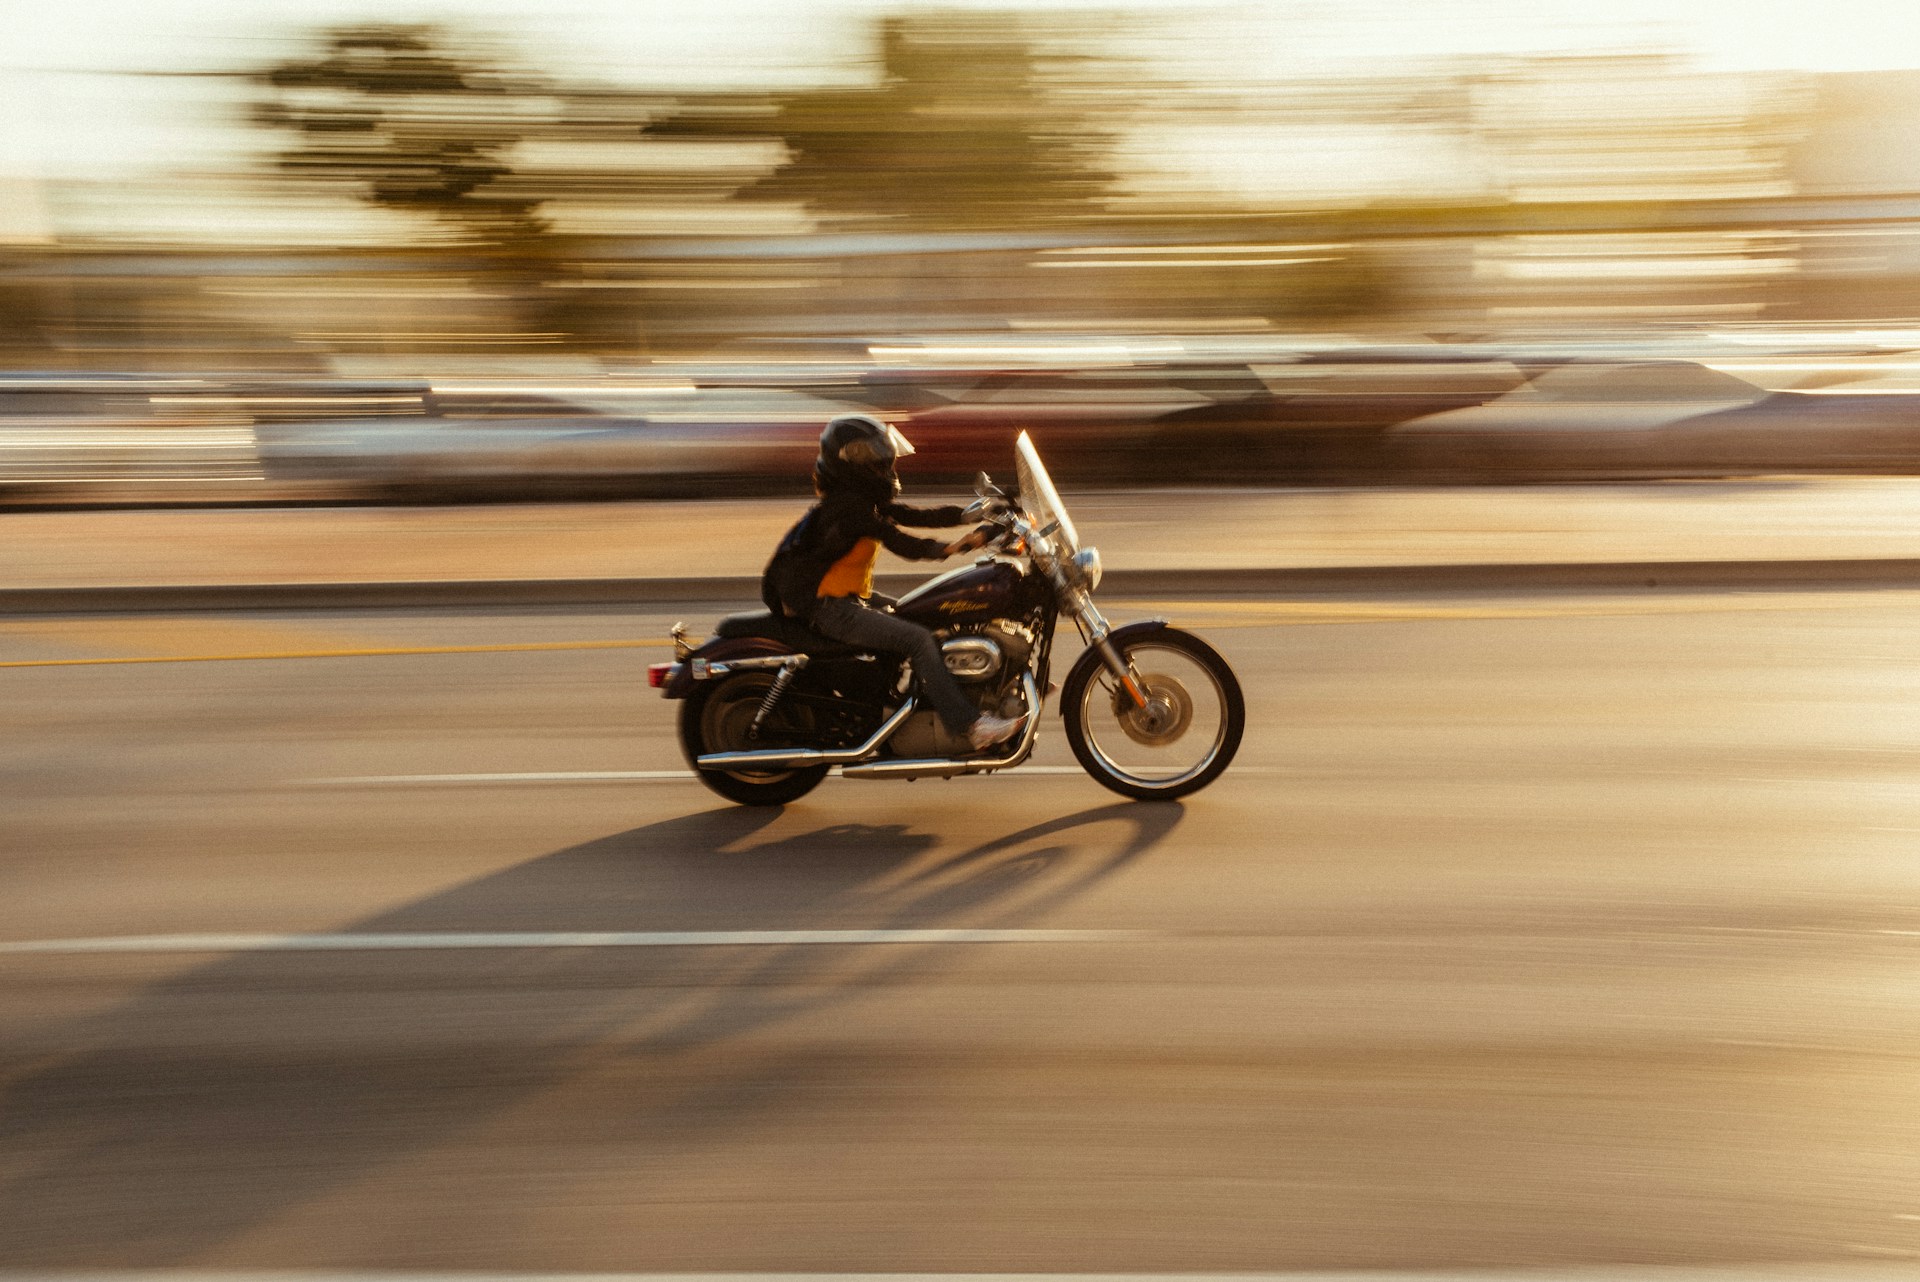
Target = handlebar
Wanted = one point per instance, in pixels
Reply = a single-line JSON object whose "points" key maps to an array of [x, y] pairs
{"points": [[1014, 534]]}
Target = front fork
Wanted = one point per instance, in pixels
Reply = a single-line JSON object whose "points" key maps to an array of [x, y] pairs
{"points": [[1093, 626]]}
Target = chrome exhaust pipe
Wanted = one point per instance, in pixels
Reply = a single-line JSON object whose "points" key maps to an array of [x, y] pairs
{"points": [[781, 758], [949, 767]]}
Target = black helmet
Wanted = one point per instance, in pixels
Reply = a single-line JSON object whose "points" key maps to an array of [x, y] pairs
{"points": [[857, 452]]}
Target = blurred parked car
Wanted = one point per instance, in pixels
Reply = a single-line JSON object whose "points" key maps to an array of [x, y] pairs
{"points": [[1324, 417], [1657, 419], [480, 439], [1097, 426], [733, 438], [1345, 415]]}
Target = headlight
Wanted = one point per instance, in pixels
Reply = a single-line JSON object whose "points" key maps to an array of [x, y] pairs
{"points": [[1086, 568]]}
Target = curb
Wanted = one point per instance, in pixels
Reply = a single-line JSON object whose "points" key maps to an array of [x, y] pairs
{"points": [[1869, 572]]}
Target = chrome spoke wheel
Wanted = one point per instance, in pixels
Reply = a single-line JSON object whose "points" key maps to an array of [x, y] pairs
{"points": [[1176, 737]]}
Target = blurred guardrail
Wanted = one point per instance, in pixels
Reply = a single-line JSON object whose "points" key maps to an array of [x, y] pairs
{"points": [[1371, 415]]}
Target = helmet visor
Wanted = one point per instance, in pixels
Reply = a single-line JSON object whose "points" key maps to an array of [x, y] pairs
{"points": [[877, 451]]}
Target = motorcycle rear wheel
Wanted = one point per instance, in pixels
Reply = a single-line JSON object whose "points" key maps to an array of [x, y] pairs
{"points": [[716, 718]]}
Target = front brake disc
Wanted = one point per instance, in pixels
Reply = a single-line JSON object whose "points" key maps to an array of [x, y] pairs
{"points": [[1168, 713]]}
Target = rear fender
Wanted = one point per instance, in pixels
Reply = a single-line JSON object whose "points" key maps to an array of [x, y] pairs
{"points": [[681, 679]]}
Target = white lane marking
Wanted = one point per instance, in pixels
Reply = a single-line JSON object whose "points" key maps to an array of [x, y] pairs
{"points": [[639, 776], [551, 939], [545, 776], [422, 941]]}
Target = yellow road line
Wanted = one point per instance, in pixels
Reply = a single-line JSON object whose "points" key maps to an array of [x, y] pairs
{"points": [[126, 637], [1206, 614], [649, 643], [1264, 614]]}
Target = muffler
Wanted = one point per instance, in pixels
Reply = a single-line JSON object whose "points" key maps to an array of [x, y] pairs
{"points": [[784, 758]]}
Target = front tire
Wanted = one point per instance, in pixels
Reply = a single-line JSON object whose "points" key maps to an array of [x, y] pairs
{"points": [[1183, 740], [716, 718]]}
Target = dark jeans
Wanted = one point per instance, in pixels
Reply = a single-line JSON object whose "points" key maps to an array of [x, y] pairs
{"points": [[844, 618]]}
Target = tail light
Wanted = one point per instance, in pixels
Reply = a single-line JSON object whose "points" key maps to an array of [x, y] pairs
{"points": [[659, 673]]}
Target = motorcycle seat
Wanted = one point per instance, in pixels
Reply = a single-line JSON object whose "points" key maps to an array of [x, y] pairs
{"points": [[791, 633]]}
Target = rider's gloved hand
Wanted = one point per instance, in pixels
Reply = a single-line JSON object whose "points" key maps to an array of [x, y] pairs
{"points": [[973, 539]]}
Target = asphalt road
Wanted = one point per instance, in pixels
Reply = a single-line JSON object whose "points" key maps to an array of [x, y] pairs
{"points": [[1535, 931]]}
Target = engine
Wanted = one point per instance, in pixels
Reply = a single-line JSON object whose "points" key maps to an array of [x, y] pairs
{"points": [[987, 660]]}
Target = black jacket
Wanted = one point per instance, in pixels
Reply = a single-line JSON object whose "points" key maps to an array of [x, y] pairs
{"points": [[832, 530]]}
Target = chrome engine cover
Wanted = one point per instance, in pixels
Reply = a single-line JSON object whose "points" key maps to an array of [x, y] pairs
{"points": [[987, 663], [972, 658], [1015, 640]]}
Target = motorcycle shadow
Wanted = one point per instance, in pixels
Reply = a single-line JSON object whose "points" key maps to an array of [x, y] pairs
{"points": [[894, 875], [227, 1096], [885, 877]]}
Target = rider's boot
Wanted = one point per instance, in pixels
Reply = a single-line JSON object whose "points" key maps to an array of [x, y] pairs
{"points": [[988, 730]]}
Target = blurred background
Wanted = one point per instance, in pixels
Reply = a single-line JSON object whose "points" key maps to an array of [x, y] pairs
{"points": [[347, 249], [1557, 919]]}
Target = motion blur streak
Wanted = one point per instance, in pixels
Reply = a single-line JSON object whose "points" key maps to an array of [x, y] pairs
{"points": [[1851, 1273], [490, 255], [536, 647], [1508, 389], [549, 939]]}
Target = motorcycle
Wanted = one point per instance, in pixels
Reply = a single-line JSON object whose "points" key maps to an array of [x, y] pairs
{"points": [[768, 707]]}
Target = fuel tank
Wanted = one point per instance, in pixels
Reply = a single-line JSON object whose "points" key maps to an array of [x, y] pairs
{"points": [[971, 593]]}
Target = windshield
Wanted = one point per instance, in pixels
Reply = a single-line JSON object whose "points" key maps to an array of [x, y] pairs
{"points": [[1040, 499]]}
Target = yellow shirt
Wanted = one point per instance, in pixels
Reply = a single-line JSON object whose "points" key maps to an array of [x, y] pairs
{"points": [[852, 574]]}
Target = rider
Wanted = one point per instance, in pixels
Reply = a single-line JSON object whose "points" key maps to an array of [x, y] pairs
{"points": [[822, 572]]}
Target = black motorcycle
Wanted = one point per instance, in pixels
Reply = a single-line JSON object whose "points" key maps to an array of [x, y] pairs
{"points": [[769, 706]]}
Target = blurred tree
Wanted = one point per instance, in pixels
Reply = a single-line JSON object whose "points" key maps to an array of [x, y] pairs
{"points": [[392, 111], [962, 131]]}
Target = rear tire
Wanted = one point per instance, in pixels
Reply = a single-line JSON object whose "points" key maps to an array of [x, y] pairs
{"points": [[716, 717]]}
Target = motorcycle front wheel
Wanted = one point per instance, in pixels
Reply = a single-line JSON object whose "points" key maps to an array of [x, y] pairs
{"points": [[1181, 741], [717, 717]]}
